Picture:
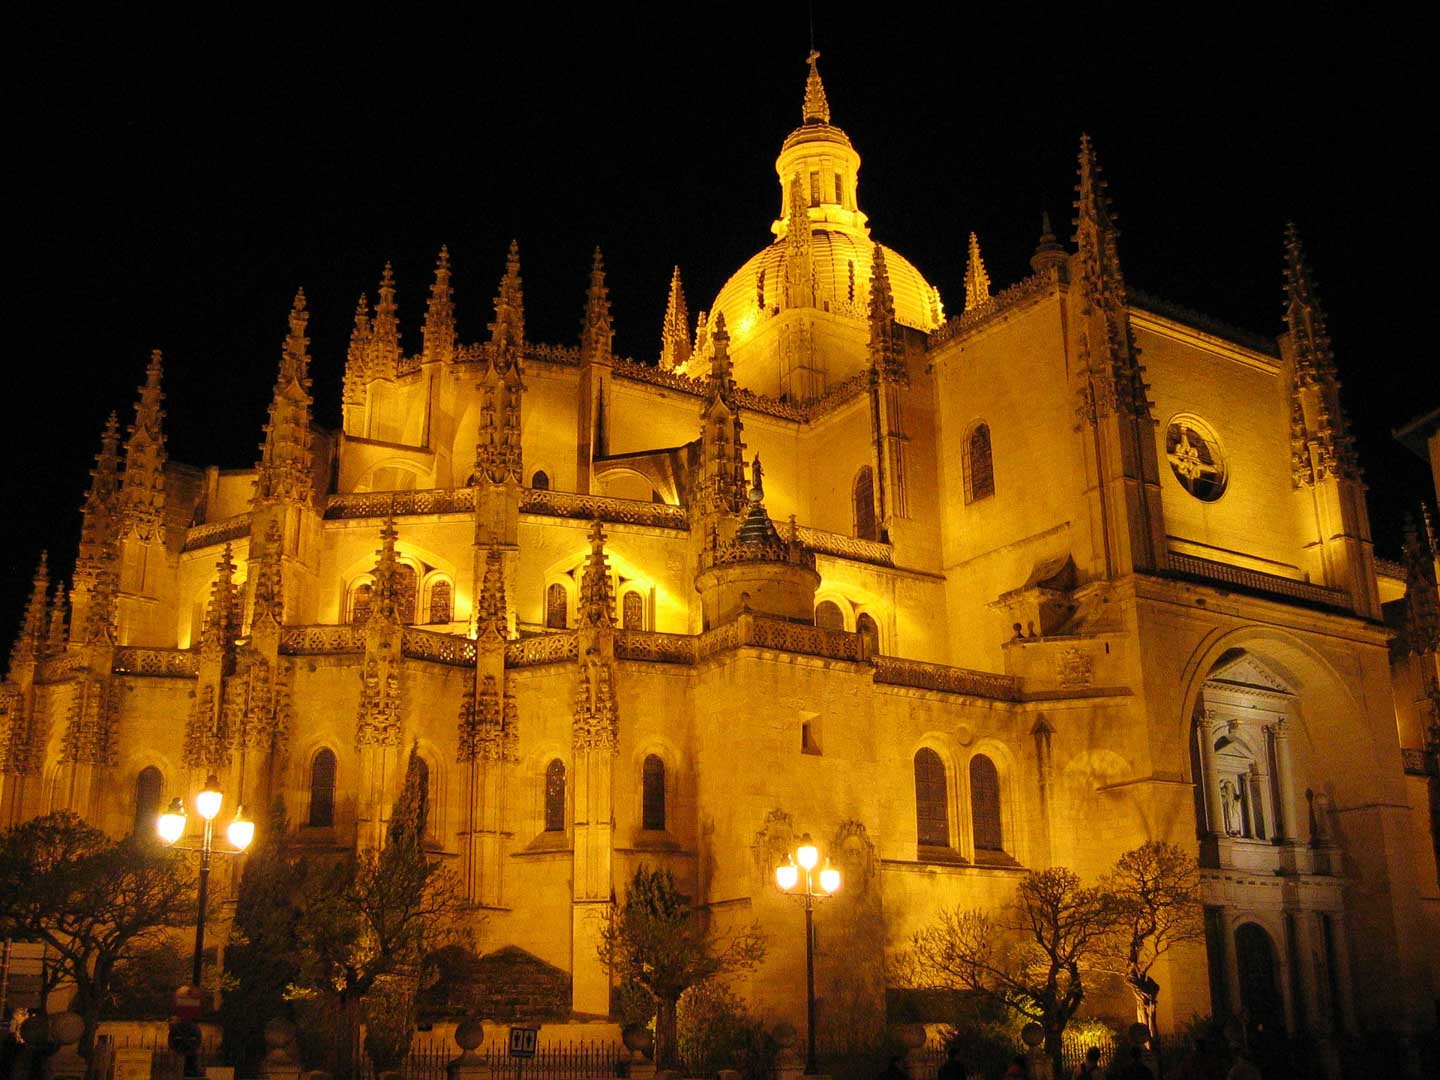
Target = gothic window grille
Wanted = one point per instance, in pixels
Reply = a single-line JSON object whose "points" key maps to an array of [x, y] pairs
{"points": [[985, 804], [829, 615], [322, 788], [405, 593], [866, 628], [555, 796], [632, 616], [979, 466], [932, 819], [557, 607], [360, 603], [652, 794], [147, 799], [863, 498], [440, 606], [540, 481]]}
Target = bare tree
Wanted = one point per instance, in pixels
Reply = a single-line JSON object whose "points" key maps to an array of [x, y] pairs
{"points": [[1032, 956], [1155, 891], [662, 943], [94, 902]]}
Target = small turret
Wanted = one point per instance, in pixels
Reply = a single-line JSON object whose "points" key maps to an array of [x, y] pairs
{"points": [[1049, 252]]}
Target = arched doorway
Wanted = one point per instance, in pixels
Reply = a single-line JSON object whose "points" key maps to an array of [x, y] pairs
{"points": [[1259, 982]]}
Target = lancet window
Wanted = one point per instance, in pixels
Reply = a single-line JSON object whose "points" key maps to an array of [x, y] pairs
{"points": [[829, 615], [360, 597], [540, 481], [866, 628], [985, 806], [405, 580], [979, 464], [322, 788], [555, 796], [652, 794], [862, 496], [147, 800], [557, 607], [632, 613], [932, 818], [441, 606]]}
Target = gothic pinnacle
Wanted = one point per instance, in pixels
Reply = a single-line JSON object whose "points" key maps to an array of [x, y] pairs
{"points": [[817, 108], [55, 640], [439, 329], [32, 628], [977, 281], [596, 604], [596, 329], [356, 358], [385, 330], [722, 376], [295, 359], [885, 360], [491, 621], [1048, 250], [222, 623], [675, 330], [142, 490], [507, 332]]}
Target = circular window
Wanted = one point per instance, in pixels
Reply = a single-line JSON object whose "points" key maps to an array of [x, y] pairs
{"points": [[1195, 458]]}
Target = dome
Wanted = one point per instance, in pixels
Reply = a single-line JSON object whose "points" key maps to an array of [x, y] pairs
{"points": [[841, 262]]}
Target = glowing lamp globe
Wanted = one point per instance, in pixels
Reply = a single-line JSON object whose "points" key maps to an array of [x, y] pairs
{"points": [[240, 831], [208, 801], [171, 824], [807, 854], [829, 878], [787, 874]]}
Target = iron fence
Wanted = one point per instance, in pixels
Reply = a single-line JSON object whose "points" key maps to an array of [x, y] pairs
{"points": [[579, 1060]]}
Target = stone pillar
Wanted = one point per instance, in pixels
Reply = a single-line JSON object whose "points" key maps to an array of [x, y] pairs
{"points": [[594, 828], [1214, 812], [1232, 964], [1285, 825]]}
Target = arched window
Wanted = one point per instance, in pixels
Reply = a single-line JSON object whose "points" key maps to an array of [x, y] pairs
{"points": [[423, 768], [985, 805], [557, 607], [322, 788], [405, 593], [360, 602], [555, 796], [540, 481], [979, 466], [147, 800], [866, 628], [862, 495], [441, 608], [632, 615], [652, 794], [932, 819], [829, 615]]}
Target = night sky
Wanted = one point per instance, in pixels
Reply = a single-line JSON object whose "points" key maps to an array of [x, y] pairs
{"points": [[173, 183]]}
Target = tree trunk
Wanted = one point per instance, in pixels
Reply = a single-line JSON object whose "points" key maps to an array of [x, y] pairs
{"points": [[667, 1049], [1055, 1045]]}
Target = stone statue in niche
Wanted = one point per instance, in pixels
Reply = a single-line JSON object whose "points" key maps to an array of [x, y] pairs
{"points": [[1230, 807]]}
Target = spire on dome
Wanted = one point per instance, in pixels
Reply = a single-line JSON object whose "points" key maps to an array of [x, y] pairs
{"points": [[597, 605], [283, 471], [596, 329], [385, 330], [439, 329], [1048, 250], [357, 371], [977, 281], [507, 332], [142, 492], [675, 330], [817, 107], [885, 359]]}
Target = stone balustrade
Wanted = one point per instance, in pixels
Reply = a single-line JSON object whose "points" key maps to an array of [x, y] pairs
{"points": [[895, 671], [166, 663], [1255, 580], [213, 533]]}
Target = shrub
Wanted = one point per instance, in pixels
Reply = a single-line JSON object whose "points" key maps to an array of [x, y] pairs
{"points": [[717, 1032]]}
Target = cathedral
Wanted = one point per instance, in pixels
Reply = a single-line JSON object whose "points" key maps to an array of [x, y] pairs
{"points": [[958, 593]]}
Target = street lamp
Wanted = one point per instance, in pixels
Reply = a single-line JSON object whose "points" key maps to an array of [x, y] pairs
{"points": [[787, 876], [171, 827]]}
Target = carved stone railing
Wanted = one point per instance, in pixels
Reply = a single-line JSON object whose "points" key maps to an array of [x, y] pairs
{"points": [[441, 648], [894, 671], [1389, 568], [57, 668], [846, 547], [803, 638], [217, 532], [1419, 762], [721, 639], [567, 504], [166, 663], [1255, 580], [655, 376], [1024, 290], [480, 353], [542, 649], [318, 640], [660, 648], [800, 412], [383, 504]]}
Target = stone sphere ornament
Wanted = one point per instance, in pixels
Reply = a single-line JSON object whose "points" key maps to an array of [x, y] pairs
{"points": [[470, 1033]]}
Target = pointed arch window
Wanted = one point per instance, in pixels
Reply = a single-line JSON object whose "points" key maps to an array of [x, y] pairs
{"points": [[441, 602], [540, 481], [322, 788], [147, 800], [405, 593], [985, 805], [555, 796], [557, 607], [979, 464], [932, 819], [866, 628], [632, 615], [652, 794], [862, 498], [829, 615]]}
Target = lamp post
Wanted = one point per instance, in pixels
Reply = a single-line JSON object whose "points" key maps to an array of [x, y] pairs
{"points": [[787, 876], [240, 831]]}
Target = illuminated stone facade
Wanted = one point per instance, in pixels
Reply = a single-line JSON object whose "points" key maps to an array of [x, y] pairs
{"points": [[1028, 585]]}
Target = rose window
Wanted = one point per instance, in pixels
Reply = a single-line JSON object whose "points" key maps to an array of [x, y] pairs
{"points": [[1194, 455]]}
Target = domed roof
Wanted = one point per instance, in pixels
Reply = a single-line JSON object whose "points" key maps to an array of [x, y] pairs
{"points": [[841, 263]]}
